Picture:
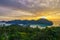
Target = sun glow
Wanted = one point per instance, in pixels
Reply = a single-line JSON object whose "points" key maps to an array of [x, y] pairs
{"points": [[44, 17]]}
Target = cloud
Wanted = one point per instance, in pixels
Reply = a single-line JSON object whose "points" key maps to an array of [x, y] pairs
{"points": [[13, 13], [18, 8], [31, 5]]}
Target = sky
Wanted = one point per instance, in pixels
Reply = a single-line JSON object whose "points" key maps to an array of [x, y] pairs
{"points": [[30, 10]]}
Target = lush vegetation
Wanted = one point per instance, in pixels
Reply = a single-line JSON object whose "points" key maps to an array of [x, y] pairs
{"points": [[16, 32]]}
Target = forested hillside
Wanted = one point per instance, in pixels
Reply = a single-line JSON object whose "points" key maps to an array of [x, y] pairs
{"points": [[16, 32]]}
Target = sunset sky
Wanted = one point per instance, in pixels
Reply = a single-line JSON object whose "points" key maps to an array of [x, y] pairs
{"points": [[30, 10]]}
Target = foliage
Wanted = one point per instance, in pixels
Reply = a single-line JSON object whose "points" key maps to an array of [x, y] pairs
{"points": [[16, 32]]}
